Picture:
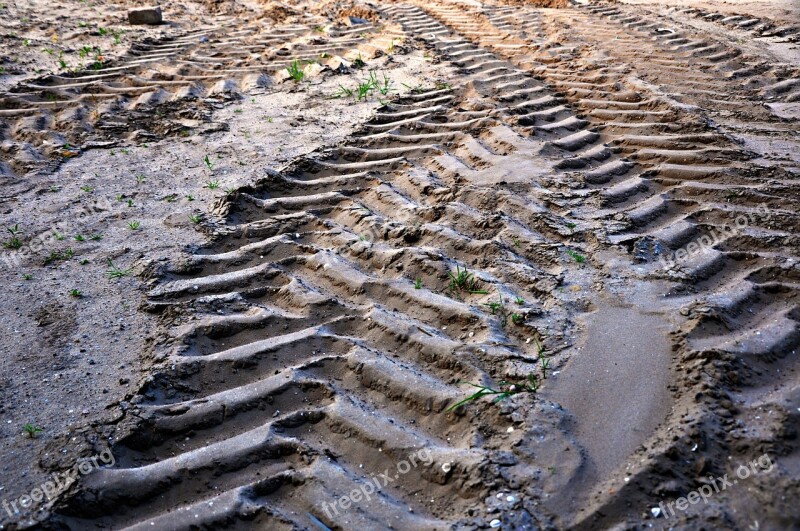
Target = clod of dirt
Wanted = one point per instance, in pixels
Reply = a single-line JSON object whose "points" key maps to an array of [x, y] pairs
{"points": [[146, 15]]}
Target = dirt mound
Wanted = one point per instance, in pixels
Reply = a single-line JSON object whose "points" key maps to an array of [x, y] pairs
{"points": [[358, 11], [340, 11], [278, 12]]}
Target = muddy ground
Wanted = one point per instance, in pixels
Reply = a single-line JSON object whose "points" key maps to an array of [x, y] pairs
{"points": [[258, 256]]}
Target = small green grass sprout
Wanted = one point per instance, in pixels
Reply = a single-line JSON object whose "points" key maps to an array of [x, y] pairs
{"points": [[506, 389], [115, 272], [31, 430]]}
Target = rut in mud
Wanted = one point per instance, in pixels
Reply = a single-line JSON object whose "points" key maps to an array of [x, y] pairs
{"points": [[622, 183]]}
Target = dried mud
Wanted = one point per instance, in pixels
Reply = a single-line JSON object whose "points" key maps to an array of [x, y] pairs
{"points": [[621, 177]]}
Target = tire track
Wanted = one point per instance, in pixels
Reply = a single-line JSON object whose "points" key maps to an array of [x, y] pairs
{"points": [[755, 26], [301, 357], [679, 183], [166, 87]]}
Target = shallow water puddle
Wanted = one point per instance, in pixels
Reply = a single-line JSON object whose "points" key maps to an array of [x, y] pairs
{"points": [[615, 386]]}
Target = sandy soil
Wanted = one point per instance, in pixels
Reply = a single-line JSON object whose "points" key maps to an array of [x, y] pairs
{"points": [[245, 287]]}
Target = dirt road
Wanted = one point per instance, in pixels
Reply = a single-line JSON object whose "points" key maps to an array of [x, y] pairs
{"points": [[588, 209]]}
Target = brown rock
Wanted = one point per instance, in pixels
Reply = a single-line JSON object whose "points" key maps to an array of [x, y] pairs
{"points": [[145, 15]]}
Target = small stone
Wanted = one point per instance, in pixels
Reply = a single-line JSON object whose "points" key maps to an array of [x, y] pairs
{"points": [[145, 15], [494, 523], [354, 21]]}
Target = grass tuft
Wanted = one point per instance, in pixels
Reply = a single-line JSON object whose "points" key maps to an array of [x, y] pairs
{"points": [[296, 71], [115, 272]]}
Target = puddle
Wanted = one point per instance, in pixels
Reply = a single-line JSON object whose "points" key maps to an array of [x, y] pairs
{"points": [[615, 387]]}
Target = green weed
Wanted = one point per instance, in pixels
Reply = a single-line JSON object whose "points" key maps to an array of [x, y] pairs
{"points": [[14, 242], [296, 71], [506, 389], [463, 280], [343, 92], [576, 256], [115, 272], [364, 89], [31, 431], [59, 255], [384, 87], [544, 361], [499, 308]]}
